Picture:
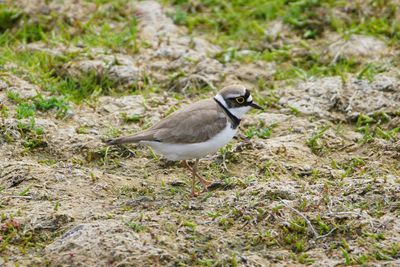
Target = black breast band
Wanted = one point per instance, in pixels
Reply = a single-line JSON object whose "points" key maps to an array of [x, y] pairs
{"points": [[235, 120]]}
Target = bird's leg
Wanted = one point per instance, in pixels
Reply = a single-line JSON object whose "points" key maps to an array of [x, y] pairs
{"points": [[194, 193], [205, 183], [186, 165], [201, 179]]}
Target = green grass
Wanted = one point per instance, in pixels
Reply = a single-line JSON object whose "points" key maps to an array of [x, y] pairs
{"points": [[28, 108], [114, 31], [135, 226], [317, 147], [245, 21], [135, 118], [44, 70], [8, 17], [4, 111], [12, 233], [26, 111], [235, 25], [263, 133], [52, 103], [241, 24], [32, 135], [377, 126], [95, 30], [87, 86]]}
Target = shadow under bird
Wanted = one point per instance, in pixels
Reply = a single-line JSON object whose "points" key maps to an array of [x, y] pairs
{"points": [[196, 130]]}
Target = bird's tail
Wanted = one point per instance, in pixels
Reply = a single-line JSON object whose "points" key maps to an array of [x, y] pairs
{"points": [[121, 140], [136, 138]]}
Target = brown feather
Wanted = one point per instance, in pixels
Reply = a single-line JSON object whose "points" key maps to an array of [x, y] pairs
{"points": [[193, 124]]}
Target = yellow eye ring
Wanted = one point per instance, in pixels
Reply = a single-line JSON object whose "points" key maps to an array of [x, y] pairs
{"points": [[240, 100]]}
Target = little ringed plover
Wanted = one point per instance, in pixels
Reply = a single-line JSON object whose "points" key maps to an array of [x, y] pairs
{"points": [[196, 130]]}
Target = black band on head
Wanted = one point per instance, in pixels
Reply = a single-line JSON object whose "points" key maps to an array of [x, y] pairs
{"points": [[247, 94], [235, 120]]}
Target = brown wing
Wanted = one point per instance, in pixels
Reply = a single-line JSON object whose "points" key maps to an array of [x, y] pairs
{"points": [[196, 123]]}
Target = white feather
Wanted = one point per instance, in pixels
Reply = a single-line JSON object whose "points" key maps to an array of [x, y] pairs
{"points": [[240, 111], [195, 150], [221, 100]]}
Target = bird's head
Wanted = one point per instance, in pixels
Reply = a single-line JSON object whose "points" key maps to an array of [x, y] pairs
{"points": [[237, 99]]}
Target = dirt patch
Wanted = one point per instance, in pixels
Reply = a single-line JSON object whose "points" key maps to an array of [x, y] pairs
{"points": [[116, 241], [337, 99]]}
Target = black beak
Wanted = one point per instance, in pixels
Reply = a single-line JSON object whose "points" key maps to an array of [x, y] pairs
{"points": [[254, 105]]}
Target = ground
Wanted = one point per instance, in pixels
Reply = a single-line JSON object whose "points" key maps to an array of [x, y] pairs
{"points": [[311, 180]]}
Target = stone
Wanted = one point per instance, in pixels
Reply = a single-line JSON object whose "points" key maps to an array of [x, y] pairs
{"points": [[127, 74], [276, 29], [329, 98], [14, 84], [153, 22], [314, 97], [78, 68], [254, 72], [3, 85], [119, 68], [72, 10], [101, 242], [199, 45], [272, 118], [132, 105], [357, 46], [363, 97], [13, 173]]}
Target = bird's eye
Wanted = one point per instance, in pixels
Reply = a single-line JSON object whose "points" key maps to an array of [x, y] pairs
{"points": [[240, 100]]}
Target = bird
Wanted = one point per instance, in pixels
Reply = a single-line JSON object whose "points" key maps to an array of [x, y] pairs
{"points": [[197, 130]]}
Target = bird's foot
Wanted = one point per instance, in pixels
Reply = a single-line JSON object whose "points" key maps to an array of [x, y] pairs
{"points": [[194, 193], [205, 183]]}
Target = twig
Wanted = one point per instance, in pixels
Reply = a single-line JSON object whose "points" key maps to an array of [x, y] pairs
{"points": [[342, 213], [310, 227], [24, 197], [326, 235], [224, 162]]}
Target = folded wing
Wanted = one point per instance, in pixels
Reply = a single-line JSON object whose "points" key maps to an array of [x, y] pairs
{"points": [[194, 124]]}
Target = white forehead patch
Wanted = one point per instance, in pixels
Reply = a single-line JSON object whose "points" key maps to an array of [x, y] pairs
{"points": [[249, 99], [221, 100]]}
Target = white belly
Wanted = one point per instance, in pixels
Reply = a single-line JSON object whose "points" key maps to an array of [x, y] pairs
{"points": [[195, 150]]}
